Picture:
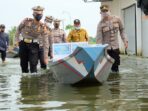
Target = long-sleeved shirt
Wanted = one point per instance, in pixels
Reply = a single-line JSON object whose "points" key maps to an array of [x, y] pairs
{"points": [[58, 35], [107, 32], [30, 29], [4, 41], [77, 36]]}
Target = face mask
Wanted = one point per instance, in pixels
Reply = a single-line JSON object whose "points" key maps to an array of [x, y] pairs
{"points": [[77, 27], [56, 25], [105, 14], [38, 17], [48, 24]]}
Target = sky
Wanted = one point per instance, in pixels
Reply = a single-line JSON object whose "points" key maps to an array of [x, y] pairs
{"points": [[14, 11]]}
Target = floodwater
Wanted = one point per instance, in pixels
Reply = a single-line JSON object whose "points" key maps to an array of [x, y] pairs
{"points": [[127, 91]]}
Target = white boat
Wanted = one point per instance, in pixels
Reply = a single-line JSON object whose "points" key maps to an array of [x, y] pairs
{"points": [[80, 63]]}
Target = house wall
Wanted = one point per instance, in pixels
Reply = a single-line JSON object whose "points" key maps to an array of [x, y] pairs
{"points": [[117, 7]]}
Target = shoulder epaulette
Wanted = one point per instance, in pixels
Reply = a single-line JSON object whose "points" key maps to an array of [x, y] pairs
{"points": [[28, 19]]}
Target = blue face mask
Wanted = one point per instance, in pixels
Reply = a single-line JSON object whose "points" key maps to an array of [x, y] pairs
{"points": [[38, 17]]}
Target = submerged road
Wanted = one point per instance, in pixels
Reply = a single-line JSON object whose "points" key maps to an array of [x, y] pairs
{"points": [[126, 91]]}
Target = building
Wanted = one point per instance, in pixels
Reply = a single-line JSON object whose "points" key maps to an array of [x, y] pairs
{"points": [[135, 25]]}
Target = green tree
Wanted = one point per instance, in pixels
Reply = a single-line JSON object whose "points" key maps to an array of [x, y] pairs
{"points": [[11, 33], [92, 40], [69, 27]]}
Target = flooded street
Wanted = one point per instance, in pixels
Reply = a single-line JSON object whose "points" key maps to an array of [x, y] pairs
{"points": [[127, 91]]}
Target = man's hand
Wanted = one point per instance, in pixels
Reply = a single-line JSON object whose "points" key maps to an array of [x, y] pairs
{"points": [[126, 44], [51, 55], [46, 60]]}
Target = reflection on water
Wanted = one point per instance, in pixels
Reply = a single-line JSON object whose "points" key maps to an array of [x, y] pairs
{"points": [[127, 91]]}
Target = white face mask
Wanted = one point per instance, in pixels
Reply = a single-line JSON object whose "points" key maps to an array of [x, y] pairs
{"points": [[77, 27], [105, 14], [49, 25]]}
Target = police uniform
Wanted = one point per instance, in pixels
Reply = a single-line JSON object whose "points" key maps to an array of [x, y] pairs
{"points": [[107, 33], [58, 35], [32, 35], [79, 35], [48, 20]]}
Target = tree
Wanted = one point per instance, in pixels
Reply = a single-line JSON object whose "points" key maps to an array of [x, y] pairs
{"points": [[92, 40], [11, 33], [69, 27]]}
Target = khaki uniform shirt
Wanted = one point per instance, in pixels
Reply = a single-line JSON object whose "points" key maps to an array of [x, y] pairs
{"points": [[78, 36], [107, 32], [50, 38], [58, 35], [28, 29]]}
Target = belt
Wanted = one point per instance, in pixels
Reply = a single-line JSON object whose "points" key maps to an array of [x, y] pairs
{"points": [[27, 40]]}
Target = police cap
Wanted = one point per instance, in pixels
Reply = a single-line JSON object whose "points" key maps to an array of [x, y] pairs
{"points": [[104, 8], [38, 9], [49, 18], [57, 21]]}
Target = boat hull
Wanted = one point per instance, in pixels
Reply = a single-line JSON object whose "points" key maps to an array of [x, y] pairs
{"points": [[85, 64]]}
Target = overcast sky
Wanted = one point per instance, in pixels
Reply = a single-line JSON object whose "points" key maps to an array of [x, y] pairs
{"points": [[14, 11]]}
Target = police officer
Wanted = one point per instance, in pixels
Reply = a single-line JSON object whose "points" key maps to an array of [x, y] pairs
{"points": [[78, 34], [32, 35], [4, 42], [58, 34], [107, 33], [48, 23]]}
